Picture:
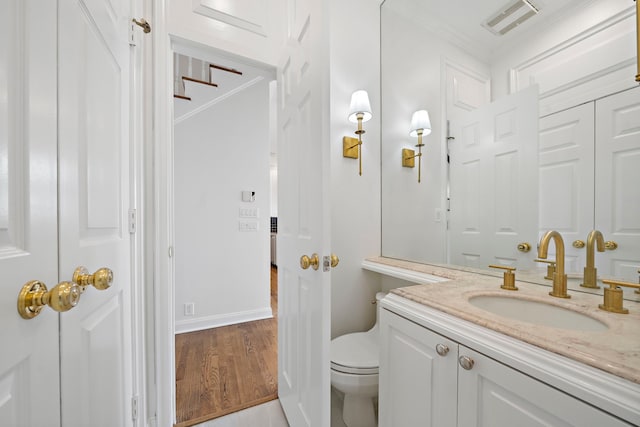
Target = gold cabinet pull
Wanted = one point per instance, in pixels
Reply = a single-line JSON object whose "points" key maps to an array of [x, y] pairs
{"points": [[306, 261], [100, 280], [524, 247], [34, 296], [578, 244], [610, 245]]}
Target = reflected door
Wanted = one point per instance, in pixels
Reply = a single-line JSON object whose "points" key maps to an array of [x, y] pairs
{"points": [[493, 183], [617, 183], [566, 180]]}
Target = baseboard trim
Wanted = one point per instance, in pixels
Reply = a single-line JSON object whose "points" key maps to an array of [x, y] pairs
{"points": [[208, 322]]}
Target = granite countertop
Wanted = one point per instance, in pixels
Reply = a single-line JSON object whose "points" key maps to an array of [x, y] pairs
{"points": [[615, 350]]}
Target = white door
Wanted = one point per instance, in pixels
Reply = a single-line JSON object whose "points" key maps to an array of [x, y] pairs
{"points": [[566, 178], [303, 228], [617, 183], [29, 391], [94, 184], [65, 187], [493, 183]]}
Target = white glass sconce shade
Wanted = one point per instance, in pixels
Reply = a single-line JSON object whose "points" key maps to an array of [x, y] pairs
{"points": [[360, 105], [420, 120]]}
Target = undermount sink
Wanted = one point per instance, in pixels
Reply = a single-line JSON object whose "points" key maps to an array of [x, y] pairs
{"points": [[537, 313]]}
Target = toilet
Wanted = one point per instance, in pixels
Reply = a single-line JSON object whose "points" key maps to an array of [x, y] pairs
{"points": [[354, 372]]}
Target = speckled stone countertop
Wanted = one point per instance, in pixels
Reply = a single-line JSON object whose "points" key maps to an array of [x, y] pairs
{"points": [[615, 350]]}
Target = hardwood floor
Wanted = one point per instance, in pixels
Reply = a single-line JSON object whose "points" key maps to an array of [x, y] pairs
{"points": [[227, 369]]}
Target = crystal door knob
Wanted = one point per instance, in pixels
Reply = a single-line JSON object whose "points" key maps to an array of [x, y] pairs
{"points": [[100, 280], [34, 296], [466, 362], [442, 349], [306, 261]]}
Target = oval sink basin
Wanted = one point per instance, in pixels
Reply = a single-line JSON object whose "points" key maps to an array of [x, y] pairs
{"points": [[537, 313]]}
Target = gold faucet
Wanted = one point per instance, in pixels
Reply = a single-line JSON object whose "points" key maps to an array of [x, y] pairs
{"points": [[590, 271], [559, 278]]}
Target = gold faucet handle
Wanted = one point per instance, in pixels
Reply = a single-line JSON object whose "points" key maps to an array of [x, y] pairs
{"points": [[551, 268], [613, 295], [509, 277]]}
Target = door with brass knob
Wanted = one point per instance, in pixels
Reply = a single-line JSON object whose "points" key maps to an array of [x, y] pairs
{"points": [[64, 199], [95, 225]]}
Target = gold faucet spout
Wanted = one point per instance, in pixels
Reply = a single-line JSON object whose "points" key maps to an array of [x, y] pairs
{"points": [[559, 277], [595, 239]]}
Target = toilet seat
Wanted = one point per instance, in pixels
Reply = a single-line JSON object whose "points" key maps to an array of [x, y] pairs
{"points": [[355, 353]]}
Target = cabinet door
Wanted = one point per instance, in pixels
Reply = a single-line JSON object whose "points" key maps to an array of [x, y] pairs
{"points": [[491, 394], [417, 385]]}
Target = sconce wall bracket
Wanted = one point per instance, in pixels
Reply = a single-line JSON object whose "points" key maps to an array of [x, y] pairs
{"points": [[350, 147], [408, 158]]}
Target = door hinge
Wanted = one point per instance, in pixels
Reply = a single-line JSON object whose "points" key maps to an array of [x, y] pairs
{"points": [[133, 226], [134, 408], [132, 34]]}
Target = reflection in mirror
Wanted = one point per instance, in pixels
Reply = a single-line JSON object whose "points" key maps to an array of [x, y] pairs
{"points": [[576, 172]]}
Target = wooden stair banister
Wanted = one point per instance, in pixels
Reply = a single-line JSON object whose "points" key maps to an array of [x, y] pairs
{"points": [[198, 81]]}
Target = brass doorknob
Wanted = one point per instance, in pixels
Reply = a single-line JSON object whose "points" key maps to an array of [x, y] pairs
{"points": [[524, 247], [579, 244], [334, 260], [34, 296], [100, 280], [306, 262], [610, 245]]}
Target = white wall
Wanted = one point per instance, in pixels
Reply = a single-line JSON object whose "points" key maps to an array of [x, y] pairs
{"points": [[218, 153], [413, 73], [355, 203], [586, 53]]}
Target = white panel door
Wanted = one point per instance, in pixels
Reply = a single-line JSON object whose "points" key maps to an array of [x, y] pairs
{"points": [[491, 394], [418, 370], [29, 392], [566, 179], [93, 90], [493, 183], [303, 228], [617, 183]]}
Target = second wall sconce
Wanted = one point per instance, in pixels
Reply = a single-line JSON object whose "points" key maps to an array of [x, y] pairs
{"points": [[359, 111], [420, 125]]}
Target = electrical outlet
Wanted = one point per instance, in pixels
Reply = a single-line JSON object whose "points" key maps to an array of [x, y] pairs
{"points": [[189, 309]]}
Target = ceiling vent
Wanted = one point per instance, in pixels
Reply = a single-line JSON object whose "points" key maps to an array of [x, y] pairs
{"points": [[510, 16]]}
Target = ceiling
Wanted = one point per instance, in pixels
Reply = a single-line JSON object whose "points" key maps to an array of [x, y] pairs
{"points": [[460, 21]]}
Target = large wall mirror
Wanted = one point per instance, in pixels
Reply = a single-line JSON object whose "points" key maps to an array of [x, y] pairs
{"points": [[535, 125]]}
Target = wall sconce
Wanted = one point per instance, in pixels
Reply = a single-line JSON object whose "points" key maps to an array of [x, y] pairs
{"points": [[359, 111], [420, 125]]}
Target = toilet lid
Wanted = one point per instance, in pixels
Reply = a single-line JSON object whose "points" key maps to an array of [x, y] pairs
{"points": [[355, 353]]}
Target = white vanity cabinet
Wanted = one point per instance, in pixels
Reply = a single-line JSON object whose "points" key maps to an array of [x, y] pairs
{"points": [[424, 381], [417, 377]]}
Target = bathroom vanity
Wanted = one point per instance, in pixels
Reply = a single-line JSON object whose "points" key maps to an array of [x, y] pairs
{"points": [[448, 360]]}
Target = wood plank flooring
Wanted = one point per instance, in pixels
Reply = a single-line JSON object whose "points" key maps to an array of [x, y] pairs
{"points": [[227, 369]]}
